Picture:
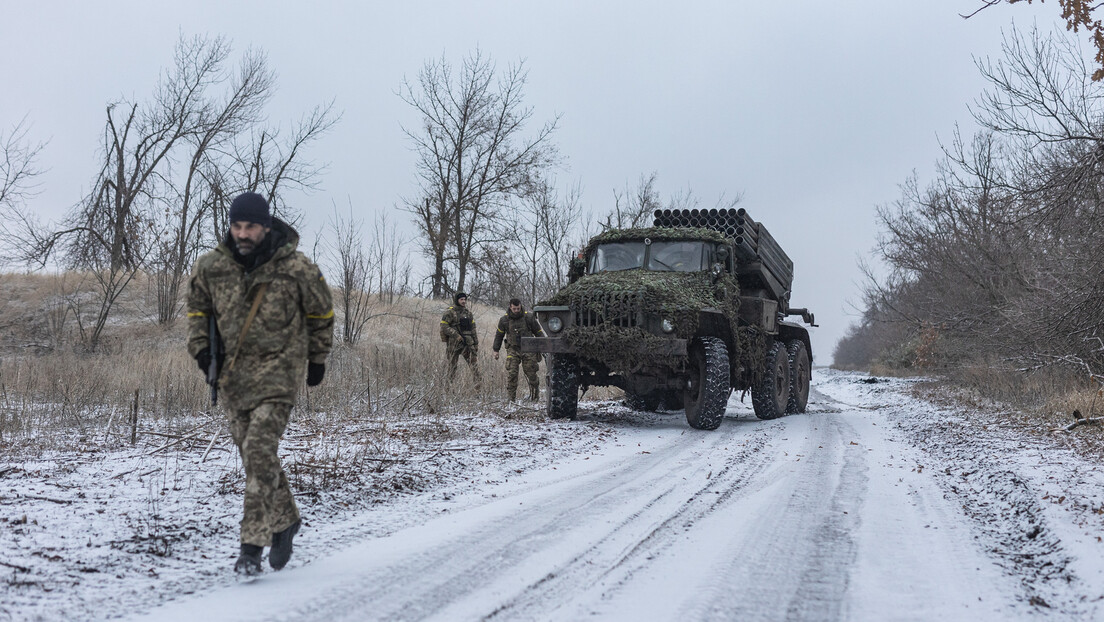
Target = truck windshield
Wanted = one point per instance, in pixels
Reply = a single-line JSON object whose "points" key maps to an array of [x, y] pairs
{"points": [[669, 256], [615, 256], [679, 256]]}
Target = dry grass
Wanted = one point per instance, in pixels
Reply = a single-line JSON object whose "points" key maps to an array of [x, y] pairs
{"points": [[1040, 402], [55, 394], [878, 369]]}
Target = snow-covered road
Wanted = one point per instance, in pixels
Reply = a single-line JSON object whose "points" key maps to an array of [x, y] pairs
{"points": [[832, 515]]}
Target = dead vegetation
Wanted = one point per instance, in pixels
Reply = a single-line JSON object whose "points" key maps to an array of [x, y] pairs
{"points": [[385, 402], [1050, 403], [989, 273]]}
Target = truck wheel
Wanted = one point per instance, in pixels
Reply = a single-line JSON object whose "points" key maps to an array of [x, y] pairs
{"points": [[563, 387], [799, 376], [770, 396], [706, 395]]}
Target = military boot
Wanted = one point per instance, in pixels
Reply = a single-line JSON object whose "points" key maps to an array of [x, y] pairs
{"points": [[280, 552], [534, 393], [249, 562]]}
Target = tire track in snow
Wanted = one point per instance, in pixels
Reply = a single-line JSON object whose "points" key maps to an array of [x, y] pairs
{"points": [[615, 558], [608, 511], [797, 554]]}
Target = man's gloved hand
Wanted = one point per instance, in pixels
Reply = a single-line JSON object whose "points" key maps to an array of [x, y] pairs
{"points": [[315, 372], [204, 360]]}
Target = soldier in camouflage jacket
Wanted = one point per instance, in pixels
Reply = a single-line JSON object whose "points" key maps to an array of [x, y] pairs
{"points": [[517, 323], [257, 276], [462, 339]]}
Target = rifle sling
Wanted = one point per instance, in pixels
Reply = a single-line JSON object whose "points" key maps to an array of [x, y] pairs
{"points": [[248, 322]]}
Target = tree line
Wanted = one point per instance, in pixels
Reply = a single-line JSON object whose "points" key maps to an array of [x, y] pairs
{"points": [[491, 215], [168, 167], [998, 261]]}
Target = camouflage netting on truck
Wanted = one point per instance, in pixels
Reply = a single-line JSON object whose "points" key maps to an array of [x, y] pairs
{"points": [[607, 306], [620, 349], [753, 350], [656, 234]]}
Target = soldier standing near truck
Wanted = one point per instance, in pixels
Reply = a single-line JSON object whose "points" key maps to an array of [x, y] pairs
{"points": [[459, 333], [274, 311], [517, 323]]}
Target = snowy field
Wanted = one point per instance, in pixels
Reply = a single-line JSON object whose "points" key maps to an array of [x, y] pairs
{"points": [[875, 505]]}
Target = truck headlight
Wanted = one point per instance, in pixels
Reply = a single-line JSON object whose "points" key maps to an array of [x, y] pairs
{"points": [[555, 324], [667, 326]]}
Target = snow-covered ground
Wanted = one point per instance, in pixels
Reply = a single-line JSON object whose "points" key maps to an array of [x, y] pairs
{"points": [[875, 505]]}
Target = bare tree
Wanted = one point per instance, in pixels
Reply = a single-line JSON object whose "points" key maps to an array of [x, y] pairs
{"points": [[170, 166], [138, 140], [111, 232], [1078, 15], [17, 165], [539, 235], [18, 170], [228, 153], [497, 274], [634, 207], [268, 166], [267, 163], [217, 124], [1000, 256], [387, 251], [271, 163], [354, 269], [472, 158]]}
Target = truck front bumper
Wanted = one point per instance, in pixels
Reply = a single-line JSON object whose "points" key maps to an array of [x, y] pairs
{"points": [[558, 345]]}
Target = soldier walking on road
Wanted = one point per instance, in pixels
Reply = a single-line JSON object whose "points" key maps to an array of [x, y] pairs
{"points": [[458, 331], [275, 314], [517, 323]]}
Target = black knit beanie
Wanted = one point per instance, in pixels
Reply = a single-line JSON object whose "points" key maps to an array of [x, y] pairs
{"points": [[250, 207]]}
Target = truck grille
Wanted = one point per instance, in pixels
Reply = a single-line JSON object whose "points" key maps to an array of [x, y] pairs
{"points": [[623, 309]]}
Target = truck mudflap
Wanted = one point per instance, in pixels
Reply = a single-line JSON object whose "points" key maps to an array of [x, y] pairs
{"points": [[559, 345]]}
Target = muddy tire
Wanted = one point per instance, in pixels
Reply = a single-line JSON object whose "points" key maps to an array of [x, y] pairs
{"points": [[706, 396], [771, 395], [800, 371], [563, 387]]}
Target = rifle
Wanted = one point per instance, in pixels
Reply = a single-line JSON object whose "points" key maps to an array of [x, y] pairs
{"points": [[215, 346]]}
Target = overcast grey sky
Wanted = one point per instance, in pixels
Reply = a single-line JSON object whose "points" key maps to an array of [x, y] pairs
{"points": [[813, 111]]}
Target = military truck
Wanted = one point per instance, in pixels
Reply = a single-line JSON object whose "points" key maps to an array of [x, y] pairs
{"points": [[678, 315]]}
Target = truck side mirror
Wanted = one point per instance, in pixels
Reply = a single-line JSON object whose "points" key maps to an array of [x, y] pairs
{"points": [[721, 260], [576, 268]]}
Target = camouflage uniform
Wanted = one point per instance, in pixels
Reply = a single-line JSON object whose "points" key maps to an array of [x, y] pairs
{"points": [[458, 331], [293, 325], [511, 328]]}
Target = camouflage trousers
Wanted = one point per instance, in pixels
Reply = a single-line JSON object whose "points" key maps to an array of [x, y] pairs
{"points": [[269, 506], [457, 348], [529, 363]]}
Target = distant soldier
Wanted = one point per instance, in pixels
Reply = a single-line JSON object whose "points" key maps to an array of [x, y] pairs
{"points": [[275, 315], [517, 323], [458, 331]]}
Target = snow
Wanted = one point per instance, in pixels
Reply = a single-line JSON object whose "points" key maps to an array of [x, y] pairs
{"points": [[875, 505]]}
